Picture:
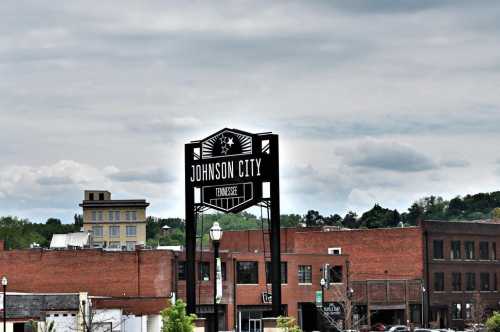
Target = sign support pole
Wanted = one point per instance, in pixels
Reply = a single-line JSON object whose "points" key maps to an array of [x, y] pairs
{"points": [[275, 227], [190, 234]]}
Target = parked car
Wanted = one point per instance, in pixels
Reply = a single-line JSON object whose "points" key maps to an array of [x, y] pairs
{"points": [[398, 328], [378, 327]]}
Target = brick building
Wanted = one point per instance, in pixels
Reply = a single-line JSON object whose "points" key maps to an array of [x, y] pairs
{"points": [[382, 266], [461, 266], [139, 281]]}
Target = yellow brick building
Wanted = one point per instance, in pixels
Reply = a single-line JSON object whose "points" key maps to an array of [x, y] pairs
{"points": [[119, 224]]}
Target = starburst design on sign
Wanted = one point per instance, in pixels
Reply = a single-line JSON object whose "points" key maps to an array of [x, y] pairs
{"points": [[226, 143]]}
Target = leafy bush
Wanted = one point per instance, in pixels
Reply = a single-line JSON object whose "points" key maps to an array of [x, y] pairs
{"points": [[493, 323], [175, 318], [288, 324]]}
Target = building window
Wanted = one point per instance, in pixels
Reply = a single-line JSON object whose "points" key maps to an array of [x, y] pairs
{"points": [[97, 231], [438, 281], [305, 274], [484, 281], [456, 281], [284, 272], [438, 249], [101, 196], [470, 281], [247, 272], [335, 251], [114, 231], [114, 215], [223, 270], [99, 215], [131, 245], [91, 196], [94, 215], [495, 285], [455, 250], [456, 311], [469, 250], [494, 251], [484, 253], [114, 244], [131, 215], [335, 274], [131, 230], [468, 311], [204, 271], [181, 270]]}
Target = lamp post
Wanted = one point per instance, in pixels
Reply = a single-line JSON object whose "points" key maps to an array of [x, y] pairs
{"points": [[4, 285], [423, 306], [215, 236], [322, 282]]}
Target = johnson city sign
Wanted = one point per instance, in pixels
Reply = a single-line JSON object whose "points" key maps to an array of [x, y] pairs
{"points": [[230, 169], [227, 172]]}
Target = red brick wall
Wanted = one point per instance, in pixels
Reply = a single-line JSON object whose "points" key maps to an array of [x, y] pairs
{"points": [[139, 273], [251, 240], [389, 253], [136, 306], [395, 253]]}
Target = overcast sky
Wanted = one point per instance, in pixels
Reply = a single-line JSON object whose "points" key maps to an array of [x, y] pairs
{"points": [[375, 102]]}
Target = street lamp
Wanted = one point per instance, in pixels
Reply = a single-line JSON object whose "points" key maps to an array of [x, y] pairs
{"points": [[322, 282], [4, 284], [423, 306], [215, 235]]}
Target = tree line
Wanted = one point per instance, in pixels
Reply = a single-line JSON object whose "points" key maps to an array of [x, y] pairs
{"points": [[21, 233]]}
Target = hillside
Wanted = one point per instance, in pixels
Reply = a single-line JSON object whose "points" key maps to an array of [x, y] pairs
{"points": [[20, 233]]}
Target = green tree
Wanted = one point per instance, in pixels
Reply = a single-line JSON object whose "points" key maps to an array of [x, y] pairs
{"points": [[175, 318], [313, 218], [495, 213], [415, 213], [288, 324], [493, 323], [333, 220], [351, 220], [379, 217]]}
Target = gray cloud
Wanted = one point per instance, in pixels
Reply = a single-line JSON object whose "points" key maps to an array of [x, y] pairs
{"points": [[104, 95], [156, 175], [455, 163], [389, 156], [54, 180]]}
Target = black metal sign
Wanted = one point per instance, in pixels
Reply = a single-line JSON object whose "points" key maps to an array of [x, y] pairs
{"points": [[229, 169]]}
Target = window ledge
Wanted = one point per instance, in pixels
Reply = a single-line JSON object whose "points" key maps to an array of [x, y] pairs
{"points": [[305, 283], [247, 284]]}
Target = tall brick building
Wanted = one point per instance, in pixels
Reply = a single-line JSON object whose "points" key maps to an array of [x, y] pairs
{"points": [[461, 266]]}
